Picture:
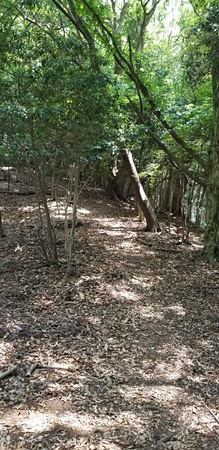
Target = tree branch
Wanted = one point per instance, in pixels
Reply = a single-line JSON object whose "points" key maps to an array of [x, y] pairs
{"points": [[173, 158], [35, 23], [124, 63], [146, 19], [79, 24], [180, 141]]}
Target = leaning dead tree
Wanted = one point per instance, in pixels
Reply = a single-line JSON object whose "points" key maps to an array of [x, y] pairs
{"points": [[140, 195]]}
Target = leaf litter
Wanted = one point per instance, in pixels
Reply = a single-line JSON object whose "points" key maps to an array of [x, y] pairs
{"points": [[123, 354]]}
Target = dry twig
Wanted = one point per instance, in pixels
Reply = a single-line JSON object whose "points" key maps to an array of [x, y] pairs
{"points": [[32, 368], [8, 372], [211, 412]]}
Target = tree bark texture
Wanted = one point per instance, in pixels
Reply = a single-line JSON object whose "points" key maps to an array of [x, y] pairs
{"points": [[140, 195], [211, 247], [174, 191]]}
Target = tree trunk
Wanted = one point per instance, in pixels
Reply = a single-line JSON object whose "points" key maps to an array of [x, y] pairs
{"points": [[118, 185], [2, 234], [211, 247], [39, 179], [141, 197], [74, 174], [174, 191], [50, 229]]}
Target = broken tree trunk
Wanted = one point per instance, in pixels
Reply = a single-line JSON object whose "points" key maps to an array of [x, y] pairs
{"points": [[140, 195]]}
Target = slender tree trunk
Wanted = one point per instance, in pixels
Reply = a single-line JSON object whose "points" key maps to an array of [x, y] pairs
{"points": [[71, 234], [40, 180], [50, 229], [140, 195], [211, 247]]}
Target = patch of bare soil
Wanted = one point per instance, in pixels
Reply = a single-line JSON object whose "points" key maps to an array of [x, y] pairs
{"points": [[122, 355]]}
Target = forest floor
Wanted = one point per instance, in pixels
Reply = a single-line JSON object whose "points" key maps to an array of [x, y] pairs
{"points": [[125, 351]]}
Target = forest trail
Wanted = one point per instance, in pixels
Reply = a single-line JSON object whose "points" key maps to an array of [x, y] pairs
{"points": [[127, 348]]}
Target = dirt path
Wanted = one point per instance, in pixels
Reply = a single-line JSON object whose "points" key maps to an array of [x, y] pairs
{"points": [[127, 348]]}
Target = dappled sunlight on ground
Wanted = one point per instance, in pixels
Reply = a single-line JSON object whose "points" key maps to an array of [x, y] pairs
{"points": [[197, 419], [111, 233], [206, 344], [122, 293], [163, 395], [27, 208], [149, 313], [84, 211], [111, 223], [142, 282], [128, 245], [169, 371], [126, 347], [6, 352], [176, 309], [34, 421]]}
